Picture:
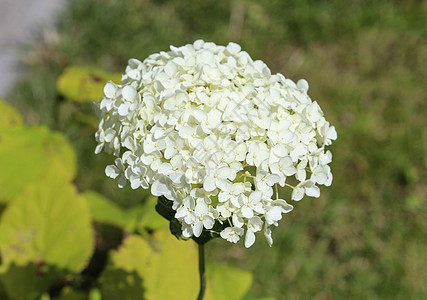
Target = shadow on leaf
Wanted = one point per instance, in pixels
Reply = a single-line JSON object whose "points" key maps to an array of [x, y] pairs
{"points": [[121, 284], [30, 281]]}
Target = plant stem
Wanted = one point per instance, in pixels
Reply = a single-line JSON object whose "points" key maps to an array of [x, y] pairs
{"points": [[202, 272]]}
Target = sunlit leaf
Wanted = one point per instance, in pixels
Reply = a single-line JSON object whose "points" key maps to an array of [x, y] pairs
{"points": [[228, 282], [9, 116], [163, 269], [166, 268], [177, 259], [95, 294], [45, 233], [69, 294], [81, 84], [28, 154]]}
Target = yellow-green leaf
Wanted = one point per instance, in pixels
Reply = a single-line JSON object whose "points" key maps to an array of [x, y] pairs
{"points": [[84, 83], [139, 218], [105, 211], [164, 268], [45, 233], [9, 116], [69, 294], [28, 154], [150, 218], [228, 282]]}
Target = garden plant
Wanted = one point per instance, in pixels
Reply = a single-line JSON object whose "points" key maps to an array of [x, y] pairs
{"points": [[68, 232]]}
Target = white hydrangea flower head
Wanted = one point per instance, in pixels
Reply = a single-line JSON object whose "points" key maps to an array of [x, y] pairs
{"points": [[218, 135]]}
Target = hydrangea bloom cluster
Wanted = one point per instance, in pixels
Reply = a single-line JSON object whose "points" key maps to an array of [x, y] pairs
{"points": [[215, 132]]}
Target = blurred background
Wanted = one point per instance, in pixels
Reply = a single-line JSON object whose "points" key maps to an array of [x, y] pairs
{"points": [[366, 63]]}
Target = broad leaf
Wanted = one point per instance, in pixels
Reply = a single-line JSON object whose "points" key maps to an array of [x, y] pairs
{"points": [[138, 218], [228, 282], [164, 268], [84, 83], [9, 116], [28, 281], [28, 154], [105, 211], [45, 233], [149, 218], [69, 294]]}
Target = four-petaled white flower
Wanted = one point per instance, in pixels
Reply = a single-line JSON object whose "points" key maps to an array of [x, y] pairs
{"points": [[232, 234], [252, 204], [217, 134], [113, 171], [254, 225]]}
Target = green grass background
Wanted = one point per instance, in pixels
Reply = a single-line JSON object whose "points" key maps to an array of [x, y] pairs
{"points": [[366, 63]]}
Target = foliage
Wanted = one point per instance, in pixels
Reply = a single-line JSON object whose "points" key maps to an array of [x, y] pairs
{"points": [[139, 218], [223, 278], [365, 238], [9, 117], [47, 231], [84, 83], [29, 154]]}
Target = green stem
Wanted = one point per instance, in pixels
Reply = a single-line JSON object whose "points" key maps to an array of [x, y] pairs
{"points": [[202, 272]]}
